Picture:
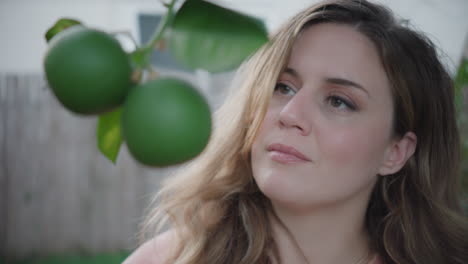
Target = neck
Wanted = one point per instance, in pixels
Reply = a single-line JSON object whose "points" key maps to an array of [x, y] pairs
{"points": [[333, 234]]}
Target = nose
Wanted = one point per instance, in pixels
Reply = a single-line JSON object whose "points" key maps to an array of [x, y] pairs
{"points": [[294, 114]]}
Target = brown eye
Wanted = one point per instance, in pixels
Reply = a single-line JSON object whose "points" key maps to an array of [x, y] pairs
{"points": [[340, 103], [284, 89]]}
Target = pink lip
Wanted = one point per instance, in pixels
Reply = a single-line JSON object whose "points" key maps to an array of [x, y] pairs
{"points": [[286, 154]]}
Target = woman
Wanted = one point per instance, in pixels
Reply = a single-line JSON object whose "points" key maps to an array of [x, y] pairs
{"points": [[338, 144]]}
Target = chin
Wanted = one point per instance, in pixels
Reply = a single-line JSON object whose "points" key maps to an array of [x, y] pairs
{"points": [[285, 191], [277, 187]]}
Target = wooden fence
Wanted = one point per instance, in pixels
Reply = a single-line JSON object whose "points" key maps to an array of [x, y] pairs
{"points": [[57, 192]]}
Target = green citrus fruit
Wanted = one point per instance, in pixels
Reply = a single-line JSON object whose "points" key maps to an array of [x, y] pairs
{"points": [[87, 70], [165, 122]]}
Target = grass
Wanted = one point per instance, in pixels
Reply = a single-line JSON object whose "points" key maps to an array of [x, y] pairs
{"points": [[111, 258]]}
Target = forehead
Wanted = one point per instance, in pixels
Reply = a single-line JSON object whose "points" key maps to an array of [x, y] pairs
{"points": [[334, 50]]}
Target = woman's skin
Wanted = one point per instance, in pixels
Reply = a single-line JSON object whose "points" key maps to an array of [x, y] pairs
{"points": [[333, 104]]}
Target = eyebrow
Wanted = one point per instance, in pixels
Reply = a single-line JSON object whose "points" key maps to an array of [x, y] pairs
{"points": [[332, 80]]}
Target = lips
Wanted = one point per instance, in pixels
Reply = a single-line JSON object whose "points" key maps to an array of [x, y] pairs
{"points": [[286, 154]]}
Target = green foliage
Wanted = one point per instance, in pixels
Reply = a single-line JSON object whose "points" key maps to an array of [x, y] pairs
{"points": [[60, 26], [461, 84], [102, 258], [219, 40], [109, 134]]}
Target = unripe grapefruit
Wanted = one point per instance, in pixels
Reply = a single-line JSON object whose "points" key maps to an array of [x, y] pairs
{"points": [[87, 70], [165, 122]]}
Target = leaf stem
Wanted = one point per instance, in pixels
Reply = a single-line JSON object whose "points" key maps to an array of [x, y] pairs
{"points": [[159, 32]]}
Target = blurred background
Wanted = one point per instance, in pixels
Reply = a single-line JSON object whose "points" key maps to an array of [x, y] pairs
{"points": [[59, 197]]}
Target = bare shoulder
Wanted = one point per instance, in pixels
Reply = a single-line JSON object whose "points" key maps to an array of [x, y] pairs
{"points": [[154, 251]]}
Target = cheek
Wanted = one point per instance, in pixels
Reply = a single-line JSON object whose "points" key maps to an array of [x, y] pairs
{"points": [[357, 147], [267, 125]]}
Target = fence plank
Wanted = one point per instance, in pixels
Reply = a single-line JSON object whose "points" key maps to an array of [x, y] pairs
{"points": [[3, 169], [58, 193]]}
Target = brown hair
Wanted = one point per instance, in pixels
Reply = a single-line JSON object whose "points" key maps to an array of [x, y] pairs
{"points": [[413, 215]]}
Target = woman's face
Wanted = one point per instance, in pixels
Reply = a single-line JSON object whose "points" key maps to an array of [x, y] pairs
{"points": [[332, 104]]}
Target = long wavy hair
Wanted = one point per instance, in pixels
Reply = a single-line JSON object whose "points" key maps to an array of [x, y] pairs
{"points": [[413, 216]]}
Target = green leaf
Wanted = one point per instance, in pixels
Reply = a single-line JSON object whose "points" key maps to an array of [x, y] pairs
{"points": [[59, 26], [214, 38], [109, 135]]}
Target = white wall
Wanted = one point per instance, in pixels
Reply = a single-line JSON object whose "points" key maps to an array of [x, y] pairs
{"points": [[23, 22]]}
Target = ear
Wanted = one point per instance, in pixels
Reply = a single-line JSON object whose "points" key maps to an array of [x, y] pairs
{"points": [[398, 153]]}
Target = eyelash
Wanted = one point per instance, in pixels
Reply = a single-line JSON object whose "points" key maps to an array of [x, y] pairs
{"points": [[283, 86], [332, 98], [349, 105]]}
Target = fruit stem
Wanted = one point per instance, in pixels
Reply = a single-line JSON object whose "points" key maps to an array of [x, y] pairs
{"points": [[159, 32]]}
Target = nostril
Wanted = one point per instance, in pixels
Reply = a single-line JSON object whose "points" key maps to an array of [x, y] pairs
{"points": [[293, 118], [291, 121]]}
